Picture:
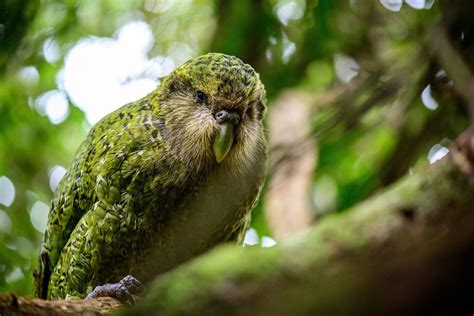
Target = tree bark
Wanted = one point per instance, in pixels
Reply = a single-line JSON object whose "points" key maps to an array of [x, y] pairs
{"points": [[11, 304], [392, 254]]}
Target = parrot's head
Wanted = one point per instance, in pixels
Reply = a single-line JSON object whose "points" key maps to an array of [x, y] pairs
{"points": [[213, 108]]}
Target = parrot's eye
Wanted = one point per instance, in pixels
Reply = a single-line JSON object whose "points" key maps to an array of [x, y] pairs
{"points": [[201, 97]]}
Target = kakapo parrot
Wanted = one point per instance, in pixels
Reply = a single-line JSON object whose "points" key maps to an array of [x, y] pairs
{"points": [[158, 181]]}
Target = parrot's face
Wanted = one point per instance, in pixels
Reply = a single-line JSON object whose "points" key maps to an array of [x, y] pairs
{"points": [[213, 109]]}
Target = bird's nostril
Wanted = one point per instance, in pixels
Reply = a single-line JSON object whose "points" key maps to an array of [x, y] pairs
{"points": [[221, 116], [226, 116]]}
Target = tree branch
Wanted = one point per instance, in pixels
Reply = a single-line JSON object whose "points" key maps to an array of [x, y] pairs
{"points": [[11, 304], [455, 66], [288, 205]]}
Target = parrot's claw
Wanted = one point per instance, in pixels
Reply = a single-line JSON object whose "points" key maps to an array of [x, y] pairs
{"points": [[122, 290]]}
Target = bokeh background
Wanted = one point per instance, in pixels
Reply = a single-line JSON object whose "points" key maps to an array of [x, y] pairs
{"points": [[356, 95]]}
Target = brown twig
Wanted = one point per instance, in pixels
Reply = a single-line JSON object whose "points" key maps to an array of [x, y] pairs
{"points": [[11, 304], [454, 65]]}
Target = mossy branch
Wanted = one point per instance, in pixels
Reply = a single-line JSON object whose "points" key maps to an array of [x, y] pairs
{"points": [[382, 256]]}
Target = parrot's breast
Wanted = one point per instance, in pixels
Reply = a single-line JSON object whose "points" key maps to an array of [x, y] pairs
{"points": [[221, 205]]}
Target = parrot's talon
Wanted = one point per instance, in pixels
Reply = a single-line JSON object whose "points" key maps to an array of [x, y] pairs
{"points": [[133, 285], [122, 290]]}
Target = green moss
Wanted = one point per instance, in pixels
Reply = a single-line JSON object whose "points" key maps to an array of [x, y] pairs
{"points": [[315, 271]]}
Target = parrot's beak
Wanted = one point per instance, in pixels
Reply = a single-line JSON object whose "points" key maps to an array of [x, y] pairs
{"points": [[224, 139]]}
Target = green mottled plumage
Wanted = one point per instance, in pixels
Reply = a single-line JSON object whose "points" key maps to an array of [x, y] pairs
{"points": [[144, 192]]}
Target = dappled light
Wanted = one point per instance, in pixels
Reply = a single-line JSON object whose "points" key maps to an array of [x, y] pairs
{"points": [[54, 105], [396, 5], [436, 153], [7, 191], [102, 74], [345, 67], [56, 173], [39, 215], [290, 11], [5, 223], [252, 238], [427, 99]]}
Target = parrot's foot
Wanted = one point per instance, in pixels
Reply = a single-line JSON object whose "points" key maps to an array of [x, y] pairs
{"points": [[122, 290]]}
